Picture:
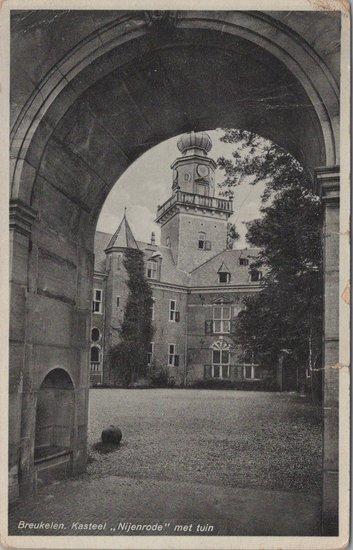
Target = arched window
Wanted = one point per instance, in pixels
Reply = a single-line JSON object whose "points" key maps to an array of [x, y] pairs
{"points": [[167, 241], [95, 335], [202, 240], [220, 360], [94, 354]]}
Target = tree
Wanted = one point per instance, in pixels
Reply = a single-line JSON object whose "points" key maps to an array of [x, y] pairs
{"points": [[129, 357], [232, 235], [287, 313]]}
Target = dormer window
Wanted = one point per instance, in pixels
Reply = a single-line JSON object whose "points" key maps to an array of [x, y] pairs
{"points": [[255, 276], [151, 269], [223, 274], [224, 277], [244, 261]]}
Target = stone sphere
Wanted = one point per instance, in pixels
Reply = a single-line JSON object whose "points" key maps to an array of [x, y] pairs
{"points": [[191, 140], [111, 435]]}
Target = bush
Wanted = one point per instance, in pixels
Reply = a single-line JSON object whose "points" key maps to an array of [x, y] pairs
{"points": [[158, 378], [267, 384]]}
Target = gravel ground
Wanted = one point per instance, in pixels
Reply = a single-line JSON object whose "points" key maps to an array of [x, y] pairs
{"points": [[226, 438]]}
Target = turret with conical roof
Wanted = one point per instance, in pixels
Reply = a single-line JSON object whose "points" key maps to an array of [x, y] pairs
{"points": [[116, 288], [123, 236]]}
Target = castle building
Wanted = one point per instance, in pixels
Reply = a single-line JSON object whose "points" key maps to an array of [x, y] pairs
{"points": [[198, 284]]}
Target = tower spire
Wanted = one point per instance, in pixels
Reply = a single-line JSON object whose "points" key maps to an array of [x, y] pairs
{"points": [[123, 236]]}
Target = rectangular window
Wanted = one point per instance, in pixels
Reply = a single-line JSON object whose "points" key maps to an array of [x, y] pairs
{"points": [[221, 319], [220, 364], [171, 355], [255, 276], [150, 354], [117, 301], [243, 261], [97, 301], [152, 310], [151, 269], [202, 240], [225, 372], [224, 277], [252, 372], [172, 310]]}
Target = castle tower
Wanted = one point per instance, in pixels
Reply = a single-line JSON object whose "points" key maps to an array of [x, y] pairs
{"points": [[116, 287], [193, 221]]}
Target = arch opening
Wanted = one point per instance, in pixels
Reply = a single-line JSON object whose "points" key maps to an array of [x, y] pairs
{"points": [[54, 415], [100, 114], [232, 75]]}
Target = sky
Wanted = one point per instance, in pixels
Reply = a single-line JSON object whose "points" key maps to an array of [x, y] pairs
{"points": [[148, 183]]}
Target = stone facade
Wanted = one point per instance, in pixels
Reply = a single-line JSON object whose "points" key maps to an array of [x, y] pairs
{"points": [[198, 284]]}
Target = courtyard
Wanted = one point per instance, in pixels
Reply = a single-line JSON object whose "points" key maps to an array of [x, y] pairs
{"points": [[246, 463]]}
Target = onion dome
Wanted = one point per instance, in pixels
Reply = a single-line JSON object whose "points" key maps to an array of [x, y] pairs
{"points": [[194, 140]]}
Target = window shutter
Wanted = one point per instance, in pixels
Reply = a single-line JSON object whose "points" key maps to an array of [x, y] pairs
{"points": [[233, 326], [209, 327], [176, 360], [207, 245], [177, 316]]}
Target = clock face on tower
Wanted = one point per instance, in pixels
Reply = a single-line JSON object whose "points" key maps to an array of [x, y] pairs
{"points": [[203, 170]]}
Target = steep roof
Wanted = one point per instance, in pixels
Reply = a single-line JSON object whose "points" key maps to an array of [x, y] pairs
{"points": [[228, 261], [170, 273], [101, 241], [204, 275], [123, 236]]}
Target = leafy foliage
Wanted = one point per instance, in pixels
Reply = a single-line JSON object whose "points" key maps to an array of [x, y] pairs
{"points": [[128, 358], [258, 159], [287, 314], [232, 235]]}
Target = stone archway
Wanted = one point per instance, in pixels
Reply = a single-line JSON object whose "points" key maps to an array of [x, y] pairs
{"points": [[123, 87]]}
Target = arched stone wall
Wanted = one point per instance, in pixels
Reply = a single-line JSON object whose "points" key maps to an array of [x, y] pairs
{"points": [[128, 38], [122, 88]]}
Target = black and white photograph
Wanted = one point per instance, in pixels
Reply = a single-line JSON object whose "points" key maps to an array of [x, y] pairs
{"points": [[178, 338]]}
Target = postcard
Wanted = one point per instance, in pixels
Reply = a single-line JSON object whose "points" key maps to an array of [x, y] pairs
{"points": [[178, 364]]}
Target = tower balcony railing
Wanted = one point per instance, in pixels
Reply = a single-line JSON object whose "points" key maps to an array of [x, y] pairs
{"points": [[203, 201]]}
